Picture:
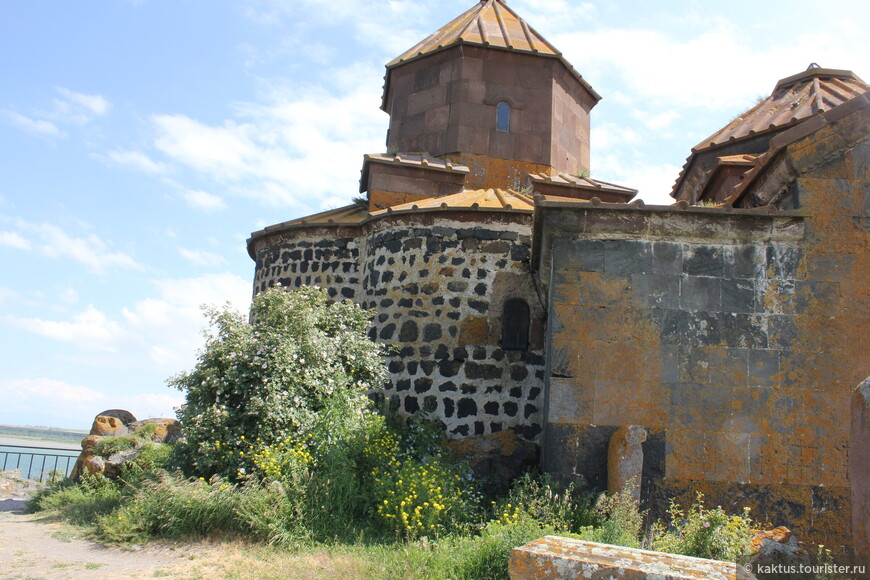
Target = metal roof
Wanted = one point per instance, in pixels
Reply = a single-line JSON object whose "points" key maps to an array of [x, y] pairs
{"points": [[794, 99], [776, 183], [492, 24], [416, 160], [348, 215], [485, 199], [584, 183], [489, 23]]}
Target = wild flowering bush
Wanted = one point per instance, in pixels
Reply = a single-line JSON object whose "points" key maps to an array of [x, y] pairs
{"points": [[703, 533], [620, 520], [300, 368], [539, 499], [417, 488]]}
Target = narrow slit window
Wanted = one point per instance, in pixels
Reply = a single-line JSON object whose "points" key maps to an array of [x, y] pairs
{"points": [[515, 325], [503, 117]]}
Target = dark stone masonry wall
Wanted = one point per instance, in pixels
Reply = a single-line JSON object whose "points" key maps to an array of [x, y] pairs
{"points": [[311, 257], [438, 287], [710, 331]]}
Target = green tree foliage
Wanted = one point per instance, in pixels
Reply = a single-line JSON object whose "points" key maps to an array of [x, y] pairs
{"points": [[299, 369]]}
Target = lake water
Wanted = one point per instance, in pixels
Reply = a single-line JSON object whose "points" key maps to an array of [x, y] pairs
{"points": [[36, 459]]}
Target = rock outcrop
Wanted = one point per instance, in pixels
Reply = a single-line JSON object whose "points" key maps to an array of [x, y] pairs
{"points": [[108, 460]]}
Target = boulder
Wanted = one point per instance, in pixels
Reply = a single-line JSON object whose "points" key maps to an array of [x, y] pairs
{"points": [[113, 465], [93, 465], [776, 547], [105, 425], [126, 417], [164, 430], [118, 423], [498, 458], [90, 442]]}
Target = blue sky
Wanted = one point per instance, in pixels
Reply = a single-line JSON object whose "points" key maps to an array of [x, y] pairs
{"points": [[142, 141]]}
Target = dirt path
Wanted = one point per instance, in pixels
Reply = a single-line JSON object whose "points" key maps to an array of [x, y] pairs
{"points": [[32, 548]]}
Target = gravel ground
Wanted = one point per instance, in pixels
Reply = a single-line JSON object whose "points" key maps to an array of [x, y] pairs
{"points": [[32, 546]]}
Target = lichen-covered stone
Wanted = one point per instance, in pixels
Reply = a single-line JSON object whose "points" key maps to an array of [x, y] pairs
{"points": [[557, 558], [625, 461], [108, 426]]}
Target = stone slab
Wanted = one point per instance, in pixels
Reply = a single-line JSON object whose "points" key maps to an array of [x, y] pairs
{"points": [[553, 557]]}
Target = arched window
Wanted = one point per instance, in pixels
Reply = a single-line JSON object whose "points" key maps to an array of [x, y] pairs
{"points": [[515, 325], [503, 117]]}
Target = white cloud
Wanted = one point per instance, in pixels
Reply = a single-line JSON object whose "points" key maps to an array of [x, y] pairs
{"points": [[162, 331], [299, 147], [89, 249], [68, 295], [653, 181], [14, 240], [706, 68], [606, 136], [656, 121], [208, 289], [225, 150], [168, 326], [93, 104], [64, 404], [38, 127], [88, 330], [71, 108], [202, 257], [48, 390], [204, 201], [136, 160], [7, 296], [392, 26]]}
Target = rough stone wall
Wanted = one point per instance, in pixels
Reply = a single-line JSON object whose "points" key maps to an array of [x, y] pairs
{"points": [[690, 324], [736, 339], [439, 285], [324, 257]]}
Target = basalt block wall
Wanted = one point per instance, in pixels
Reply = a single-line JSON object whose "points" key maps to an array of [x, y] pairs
{"points": [[437, 284], [737, 339]]}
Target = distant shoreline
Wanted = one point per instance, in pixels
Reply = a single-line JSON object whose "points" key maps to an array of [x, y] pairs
{"points": [[48, 437], [34, 442]]}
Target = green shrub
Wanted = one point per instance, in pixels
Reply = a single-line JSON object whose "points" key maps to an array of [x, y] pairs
{"points": [[79, 503], [300, 369], [274, 515], [172, 507], [111, 445], [480, 556], [703, 533], [620, 519], [417, 487], [538, 499]]}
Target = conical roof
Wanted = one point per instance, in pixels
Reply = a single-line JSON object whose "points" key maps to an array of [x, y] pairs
{"points": [[489, 23], [794, 99]]}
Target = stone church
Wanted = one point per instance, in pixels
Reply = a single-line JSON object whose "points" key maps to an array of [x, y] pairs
{"points": [[524, 297]]}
